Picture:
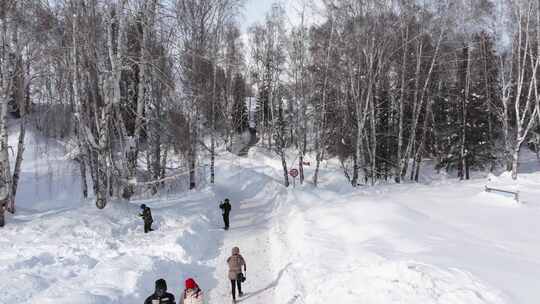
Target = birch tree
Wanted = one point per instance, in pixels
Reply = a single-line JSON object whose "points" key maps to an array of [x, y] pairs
{"points": [[524, 71], [298, 61], [6, 84]]}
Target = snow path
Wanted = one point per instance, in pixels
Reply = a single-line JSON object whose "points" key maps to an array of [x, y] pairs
{"points": [[296, 241], [252, 216]]}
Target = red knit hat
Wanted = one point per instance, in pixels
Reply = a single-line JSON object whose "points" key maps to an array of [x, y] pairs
{"points": [[190, 284]]}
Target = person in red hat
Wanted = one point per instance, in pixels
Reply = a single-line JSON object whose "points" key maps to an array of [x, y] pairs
{"points": [[192, 293]]}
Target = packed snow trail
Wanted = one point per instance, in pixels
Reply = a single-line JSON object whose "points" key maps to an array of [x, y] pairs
{"points": [[252, 217], [308, 246]]}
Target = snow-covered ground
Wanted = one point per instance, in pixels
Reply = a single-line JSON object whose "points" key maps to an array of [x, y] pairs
{"points": [[444, 241]]}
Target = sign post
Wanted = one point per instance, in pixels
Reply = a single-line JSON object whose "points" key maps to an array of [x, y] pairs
{"points": [[294, 173]]}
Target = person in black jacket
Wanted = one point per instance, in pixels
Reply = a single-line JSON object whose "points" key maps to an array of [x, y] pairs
{"points": [[160, 296], [2, 217], [147, 218], [226, 209]]}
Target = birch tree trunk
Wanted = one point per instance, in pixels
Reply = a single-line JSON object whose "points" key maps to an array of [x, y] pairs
{"points": [[217, 36], [373, 116], [6, 84], [525, 112], [489, 101], [281, 144], [80, 125], [23, 100], [147, 21], [464, 104], [319, 140], [192, 157], [505, 100], [400, 159], [421, 147], [417, 107], [20, 98]]}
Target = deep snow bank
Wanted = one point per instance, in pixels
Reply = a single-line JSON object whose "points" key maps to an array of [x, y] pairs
{"points": [[59, 248], [449, 242]]}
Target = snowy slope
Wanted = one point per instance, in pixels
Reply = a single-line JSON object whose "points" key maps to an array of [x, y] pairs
{"points": [[449, 242], [48, 180], [446, 242]]}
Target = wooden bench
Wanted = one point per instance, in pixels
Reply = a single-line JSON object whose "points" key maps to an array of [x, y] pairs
{"points": [[515, 194]]}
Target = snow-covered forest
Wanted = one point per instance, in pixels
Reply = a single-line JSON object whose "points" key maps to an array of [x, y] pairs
{"points": [[137, 100]]}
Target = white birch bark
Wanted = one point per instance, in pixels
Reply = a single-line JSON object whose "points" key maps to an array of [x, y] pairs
{"points": [[400, 159], [320, 124], [22, 99], [6, 84], [464, 104], [417, 108], [525, 112], [147, 20]]}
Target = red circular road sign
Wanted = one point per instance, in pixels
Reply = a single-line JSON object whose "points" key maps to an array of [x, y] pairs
{"points": [[293, 172]]}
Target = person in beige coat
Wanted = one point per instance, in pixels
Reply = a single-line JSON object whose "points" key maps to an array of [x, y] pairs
{"points": [[236, 261]]}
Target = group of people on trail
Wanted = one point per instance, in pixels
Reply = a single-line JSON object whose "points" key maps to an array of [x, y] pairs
{"points": [[146, 215], [192, 293], [236, 261]]}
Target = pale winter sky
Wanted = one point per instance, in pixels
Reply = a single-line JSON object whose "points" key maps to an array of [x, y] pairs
{"points": [[255, 11]]}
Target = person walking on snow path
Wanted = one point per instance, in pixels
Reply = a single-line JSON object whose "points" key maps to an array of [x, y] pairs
{"points": [[192, 294], [160, 296], [225, 209], [2, 217], [236, 261], [147, 218]]}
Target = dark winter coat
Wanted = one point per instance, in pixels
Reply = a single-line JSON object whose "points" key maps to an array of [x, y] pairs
{"points": [[147, 215], [2, 218], [225, 207], [236, 262], [160, 296], [166, 298]]}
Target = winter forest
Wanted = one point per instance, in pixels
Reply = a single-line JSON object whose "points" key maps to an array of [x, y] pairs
{"points": [[381, 85], [412, 128]]}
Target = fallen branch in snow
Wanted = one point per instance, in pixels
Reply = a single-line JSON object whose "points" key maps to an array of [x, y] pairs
{"points": [[516, 194]]}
